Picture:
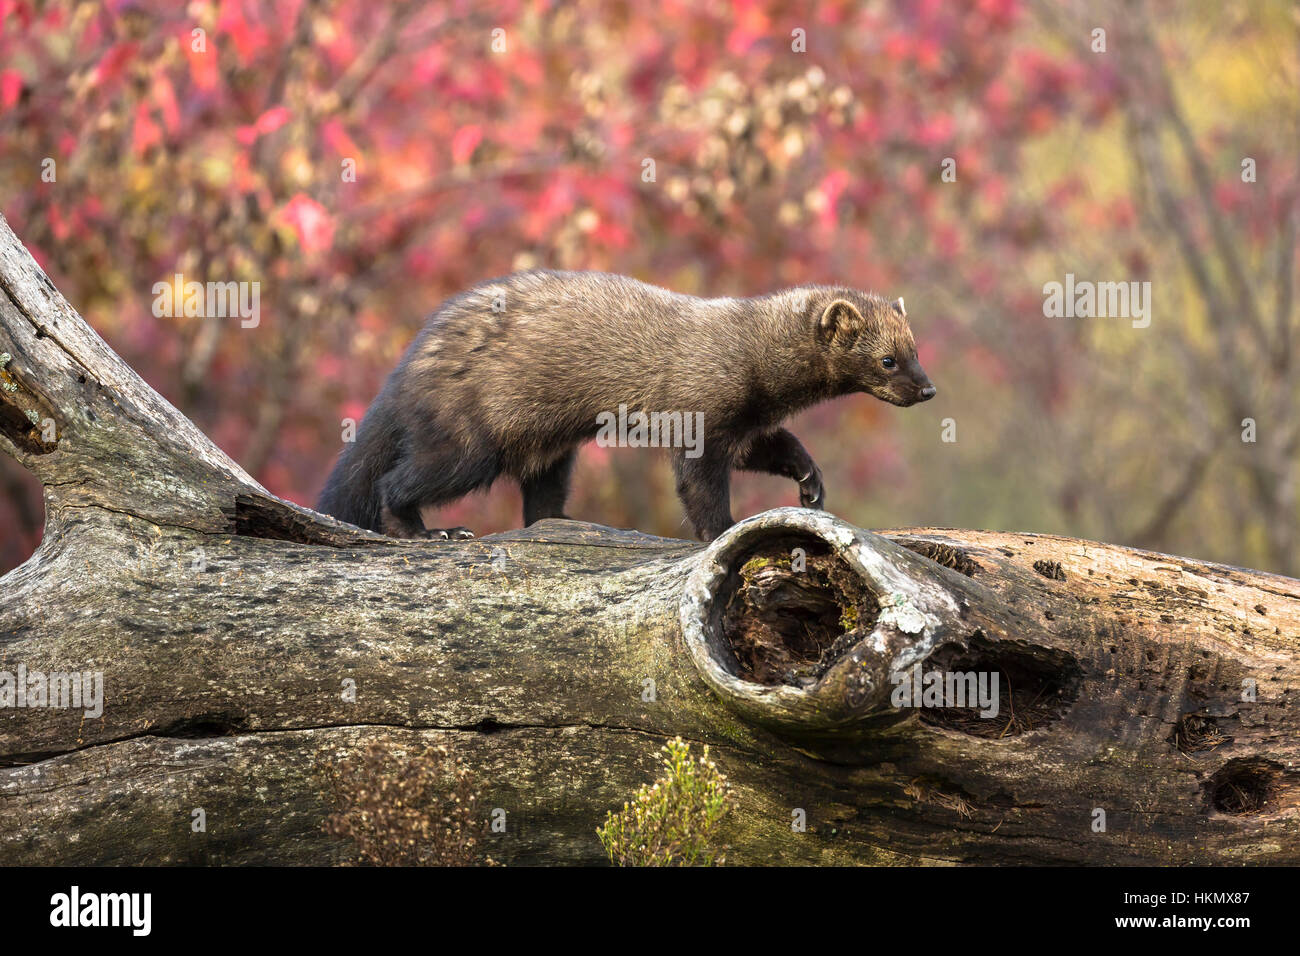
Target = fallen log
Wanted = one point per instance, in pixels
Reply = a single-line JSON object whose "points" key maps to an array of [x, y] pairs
{"points": [[1136, 707]]}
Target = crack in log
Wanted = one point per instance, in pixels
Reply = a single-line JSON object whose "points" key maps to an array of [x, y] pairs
{"points": [[255, 516], [486, 726], [345, 536], [42, 331], [156, 522]]}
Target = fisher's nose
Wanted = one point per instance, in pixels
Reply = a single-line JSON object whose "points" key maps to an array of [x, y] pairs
{"points": [[928, 393]]}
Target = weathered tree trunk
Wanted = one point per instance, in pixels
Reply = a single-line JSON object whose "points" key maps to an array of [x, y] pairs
{"points": [[228, 625]]}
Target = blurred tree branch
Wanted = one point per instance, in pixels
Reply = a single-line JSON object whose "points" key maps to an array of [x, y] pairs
{"points": [[1247, 367]]}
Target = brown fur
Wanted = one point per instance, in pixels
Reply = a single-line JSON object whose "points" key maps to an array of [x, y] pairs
{"points": [[511, 375]]}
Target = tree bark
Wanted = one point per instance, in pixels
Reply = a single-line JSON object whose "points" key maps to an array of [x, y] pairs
{"points": [[1156, 692]]}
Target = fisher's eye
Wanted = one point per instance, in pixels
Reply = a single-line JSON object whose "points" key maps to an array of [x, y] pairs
{"points": [[888, 362]]}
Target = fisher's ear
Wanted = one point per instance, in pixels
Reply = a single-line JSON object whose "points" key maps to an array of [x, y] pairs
{"points": [[897, 306], [841, 323]]}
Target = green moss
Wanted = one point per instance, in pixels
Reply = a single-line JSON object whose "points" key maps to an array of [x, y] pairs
{"points": [[758, 563]]}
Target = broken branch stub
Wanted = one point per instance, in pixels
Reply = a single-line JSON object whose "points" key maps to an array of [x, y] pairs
{"points": [[805, 624]]}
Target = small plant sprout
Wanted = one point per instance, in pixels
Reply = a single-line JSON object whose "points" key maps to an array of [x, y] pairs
{"points": [[676, 820]]}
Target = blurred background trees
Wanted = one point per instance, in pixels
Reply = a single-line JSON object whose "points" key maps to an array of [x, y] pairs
{"points": [[363, 161]]}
